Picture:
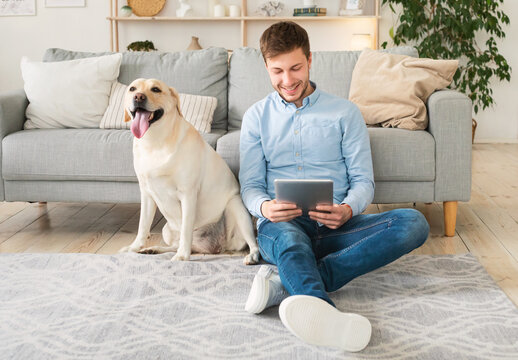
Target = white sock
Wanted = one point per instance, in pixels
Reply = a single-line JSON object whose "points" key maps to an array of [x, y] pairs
{"points": [[267, 290], [317, 322]]}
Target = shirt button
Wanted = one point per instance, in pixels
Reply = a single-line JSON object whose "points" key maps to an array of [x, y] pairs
{"points": [[296, 132], [300, 167], [298, 112], [297, 154]]}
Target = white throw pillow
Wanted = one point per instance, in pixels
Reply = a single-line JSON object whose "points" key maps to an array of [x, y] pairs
{"points": [[68, 94], [196, 109]]}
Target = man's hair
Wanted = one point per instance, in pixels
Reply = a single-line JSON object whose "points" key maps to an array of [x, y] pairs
{"points": [[284, 37]]}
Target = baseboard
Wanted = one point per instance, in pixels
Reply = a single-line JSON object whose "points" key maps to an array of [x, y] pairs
{"points": [[496, 141]]}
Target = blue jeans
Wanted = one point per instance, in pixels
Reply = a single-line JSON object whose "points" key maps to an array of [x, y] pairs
{"points": [[313, 260]]}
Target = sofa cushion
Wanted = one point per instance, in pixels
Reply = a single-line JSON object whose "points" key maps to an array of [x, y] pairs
{"points": [[248, 80], [407, 84], [201, 72], [72, 154], [397, 154], [68, 94], [196, 109], [402, 155]]}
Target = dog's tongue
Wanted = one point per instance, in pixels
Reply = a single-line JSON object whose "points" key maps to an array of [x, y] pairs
{"points": [[140, 123]]}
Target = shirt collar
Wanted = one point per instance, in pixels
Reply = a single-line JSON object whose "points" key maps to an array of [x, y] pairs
{"points": [[311, 99]]}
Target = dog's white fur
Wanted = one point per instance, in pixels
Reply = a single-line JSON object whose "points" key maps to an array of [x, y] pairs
{"points": [[190, 183]]}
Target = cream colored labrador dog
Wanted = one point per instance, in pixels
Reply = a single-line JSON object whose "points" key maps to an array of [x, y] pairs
{"points": [[181, 174]]}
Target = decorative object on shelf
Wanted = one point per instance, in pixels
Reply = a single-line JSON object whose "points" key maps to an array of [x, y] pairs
{"points": [[210, 7], [125, 11], [463, 23], [185, 9], [141, 46], [361, 41], [219, 10], [17, 7], [310, 11], [234, 11], [351, 7], [194, 45], [64, 3], [146, 7], [270, 8]]}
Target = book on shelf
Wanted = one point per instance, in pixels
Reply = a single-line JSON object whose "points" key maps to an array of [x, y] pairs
{"points": [[308, 14], [309, 11]]}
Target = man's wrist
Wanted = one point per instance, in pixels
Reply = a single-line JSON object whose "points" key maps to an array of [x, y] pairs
{"points": [[347, 205]]}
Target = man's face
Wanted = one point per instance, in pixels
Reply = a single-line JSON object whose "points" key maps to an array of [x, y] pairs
{"points": [[289, 74]]}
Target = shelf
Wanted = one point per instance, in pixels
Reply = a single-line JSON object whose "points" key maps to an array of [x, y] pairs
{"points": [[247, 18], [243, 20]]}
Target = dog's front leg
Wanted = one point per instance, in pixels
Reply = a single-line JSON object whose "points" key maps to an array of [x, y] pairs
{"points": [[147, 214], [188, 205]]}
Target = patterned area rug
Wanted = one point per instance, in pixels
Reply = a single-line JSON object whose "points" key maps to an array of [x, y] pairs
{"points": [[82, 306]]}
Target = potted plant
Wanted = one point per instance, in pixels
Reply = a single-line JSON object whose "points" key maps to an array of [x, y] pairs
{"points": [[447, 29], [141, 46]]}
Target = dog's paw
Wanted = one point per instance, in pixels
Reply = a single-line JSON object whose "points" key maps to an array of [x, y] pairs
{"points": [[181, 257], [252, 258], [150, 250], [129, 248]]}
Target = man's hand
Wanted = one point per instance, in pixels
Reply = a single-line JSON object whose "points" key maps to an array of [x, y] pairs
{"points": [[278, 212], [332, 216]]}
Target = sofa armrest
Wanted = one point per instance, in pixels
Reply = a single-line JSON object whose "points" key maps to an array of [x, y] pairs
{"points": [[12, 117], [449, 114], [228, 149], [12, 111]]}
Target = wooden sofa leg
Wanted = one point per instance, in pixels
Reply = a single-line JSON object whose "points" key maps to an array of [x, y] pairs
{"points": [[450, 217]]}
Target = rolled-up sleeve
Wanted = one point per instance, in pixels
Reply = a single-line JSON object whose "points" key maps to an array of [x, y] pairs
{"points": [[252, 168], [358, 159]]}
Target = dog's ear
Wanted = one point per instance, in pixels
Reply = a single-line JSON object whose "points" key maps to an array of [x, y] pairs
{"points": [[127, 116], [177, 98]]}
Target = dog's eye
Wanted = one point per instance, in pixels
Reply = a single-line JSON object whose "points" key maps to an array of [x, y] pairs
{"points": [[155, 89], [133, 88]]}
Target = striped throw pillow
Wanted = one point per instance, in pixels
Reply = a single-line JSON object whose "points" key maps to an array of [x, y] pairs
{"points": [[196, 109]]}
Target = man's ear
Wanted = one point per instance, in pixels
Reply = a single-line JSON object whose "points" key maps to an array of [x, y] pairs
{"points": [[310, 58], [127, 116], [175, 95]]}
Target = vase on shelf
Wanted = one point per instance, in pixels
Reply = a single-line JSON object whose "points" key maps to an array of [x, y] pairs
{"points": [[210, 7], [194, 45]]}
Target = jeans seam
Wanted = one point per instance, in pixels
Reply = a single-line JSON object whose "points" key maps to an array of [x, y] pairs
{"points": [[267, 258], [358, 229], [343, 251], [285, 277]]}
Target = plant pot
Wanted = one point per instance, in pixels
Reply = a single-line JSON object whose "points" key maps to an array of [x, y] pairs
{"points": [[473, 128]]}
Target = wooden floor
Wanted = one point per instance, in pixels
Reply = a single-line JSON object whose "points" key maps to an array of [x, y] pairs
{"points": [[487, 226]]}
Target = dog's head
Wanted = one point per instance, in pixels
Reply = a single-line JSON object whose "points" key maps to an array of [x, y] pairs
{"points": [[146, 102]]}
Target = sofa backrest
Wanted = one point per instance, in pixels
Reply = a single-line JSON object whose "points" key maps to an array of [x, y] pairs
{"points": [[248, 80], [202, 72]]}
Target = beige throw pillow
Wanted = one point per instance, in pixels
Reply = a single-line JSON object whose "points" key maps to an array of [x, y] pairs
{"points": [[68, 94], [391, 90], [196, 109]]}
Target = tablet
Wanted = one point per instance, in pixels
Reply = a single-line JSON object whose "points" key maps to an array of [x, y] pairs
{"points": [[306, 193]]}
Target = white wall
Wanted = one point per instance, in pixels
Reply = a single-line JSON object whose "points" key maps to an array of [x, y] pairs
{"points": [[86, 29]]}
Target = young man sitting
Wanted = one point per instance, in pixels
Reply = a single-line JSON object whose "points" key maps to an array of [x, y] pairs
{"points": [[301, 132]]}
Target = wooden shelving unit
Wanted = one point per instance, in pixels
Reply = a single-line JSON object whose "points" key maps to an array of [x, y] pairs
{"points": [[244, 19]]}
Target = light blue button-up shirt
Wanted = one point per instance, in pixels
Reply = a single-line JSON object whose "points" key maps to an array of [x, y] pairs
{"points": [[326, 138]]}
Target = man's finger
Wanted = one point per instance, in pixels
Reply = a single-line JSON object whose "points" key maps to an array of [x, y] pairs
{"points": [[286, 213], [284, 218], [283, 206], [326, 208], [323, 215]]}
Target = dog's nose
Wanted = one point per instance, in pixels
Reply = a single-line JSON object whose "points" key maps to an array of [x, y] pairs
{"points": [[139, 97]]}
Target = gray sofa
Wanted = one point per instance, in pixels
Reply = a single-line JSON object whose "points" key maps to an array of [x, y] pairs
{"points": [[95, 165]]}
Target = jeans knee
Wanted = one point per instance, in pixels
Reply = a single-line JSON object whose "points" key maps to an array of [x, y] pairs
{"points": [[415, 227], [292, 241]]}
